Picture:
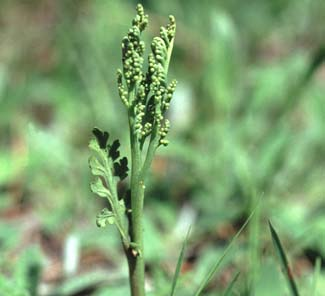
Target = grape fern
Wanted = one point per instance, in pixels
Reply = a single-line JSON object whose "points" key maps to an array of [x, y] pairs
{"points": [[146, 96]]}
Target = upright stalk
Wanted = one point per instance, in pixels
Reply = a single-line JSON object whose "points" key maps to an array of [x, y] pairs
{"points": [[135, 257], [146, 96]]}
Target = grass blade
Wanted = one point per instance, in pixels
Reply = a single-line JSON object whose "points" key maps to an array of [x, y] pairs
{"points": [[316, 276], [215, 267], [231, 285], [284, 262], [179, 263]]}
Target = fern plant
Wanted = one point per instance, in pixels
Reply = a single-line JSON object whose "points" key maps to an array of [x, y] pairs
{"points": [[146, 95]]}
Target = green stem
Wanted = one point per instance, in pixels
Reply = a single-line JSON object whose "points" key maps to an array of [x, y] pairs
{"points": [[138, 174], [135, 256]]}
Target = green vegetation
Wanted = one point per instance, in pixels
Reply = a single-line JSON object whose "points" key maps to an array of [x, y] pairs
{"points": [[247, 135], [284, 262], [146, 97]]}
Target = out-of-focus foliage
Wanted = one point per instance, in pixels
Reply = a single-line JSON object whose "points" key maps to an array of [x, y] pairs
{"points": [[247, 123]]}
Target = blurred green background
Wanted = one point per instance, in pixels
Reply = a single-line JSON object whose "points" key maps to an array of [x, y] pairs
{"points": [[247, 124]]}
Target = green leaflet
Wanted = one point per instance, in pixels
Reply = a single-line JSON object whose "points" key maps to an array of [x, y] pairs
{"points": [[113, 150], [104, 218], [121, 168], [97, 169], [93, 145], [102, 137], [98, 188], [109, 163]]}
